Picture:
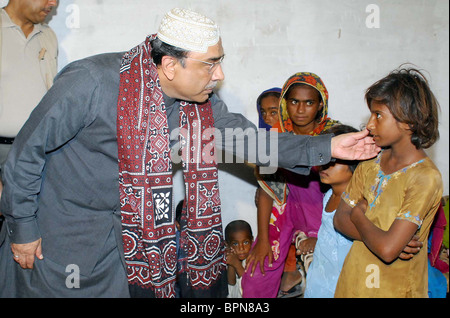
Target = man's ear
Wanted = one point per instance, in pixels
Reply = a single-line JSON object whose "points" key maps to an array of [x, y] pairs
{"points": [[168, 66]]}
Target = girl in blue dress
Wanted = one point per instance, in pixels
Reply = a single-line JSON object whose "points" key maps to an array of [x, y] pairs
{"points": [[331, 247]]}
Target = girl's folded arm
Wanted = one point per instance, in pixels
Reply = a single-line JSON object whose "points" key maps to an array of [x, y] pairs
{"points": [[387, 245], [342, 222]]}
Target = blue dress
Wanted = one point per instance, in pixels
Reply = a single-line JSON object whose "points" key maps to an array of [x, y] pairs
{"points": [[329, 255]]}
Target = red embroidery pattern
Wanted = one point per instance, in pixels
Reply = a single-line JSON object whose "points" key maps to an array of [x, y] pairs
{"points": [[145, 183], [203, 236]]}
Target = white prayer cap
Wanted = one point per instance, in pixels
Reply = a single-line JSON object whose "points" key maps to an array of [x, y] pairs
{"points": [[188, 30]]}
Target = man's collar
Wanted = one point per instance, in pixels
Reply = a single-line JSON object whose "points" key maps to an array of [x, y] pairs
{"points": [[6, 20], [169, 101]]}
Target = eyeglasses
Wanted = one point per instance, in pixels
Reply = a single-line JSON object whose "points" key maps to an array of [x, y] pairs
{"points": [[212, 66]]}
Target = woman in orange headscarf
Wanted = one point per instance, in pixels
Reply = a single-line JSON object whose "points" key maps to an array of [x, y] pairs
{"points": [[290, 203]]}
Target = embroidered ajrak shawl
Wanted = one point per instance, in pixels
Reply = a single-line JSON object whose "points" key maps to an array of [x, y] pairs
{"points": [[145, 183]]}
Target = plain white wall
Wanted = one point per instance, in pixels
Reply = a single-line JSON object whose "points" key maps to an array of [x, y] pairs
{"points": [[266, 41]]}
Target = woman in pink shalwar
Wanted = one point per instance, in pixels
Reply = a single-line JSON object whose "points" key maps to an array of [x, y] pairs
{"points": [[288, 203]]}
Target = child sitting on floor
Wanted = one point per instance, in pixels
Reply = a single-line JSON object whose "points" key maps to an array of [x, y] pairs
{"points": [[331, 247], [239, 239]]}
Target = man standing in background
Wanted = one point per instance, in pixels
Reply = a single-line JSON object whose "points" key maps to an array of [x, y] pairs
{"points": [[28, 64]]}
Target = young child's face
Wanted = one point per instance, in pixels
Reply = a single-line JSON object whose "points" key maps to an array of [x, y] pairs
{"points": [[302, 104], [384, 128], [269, 109], [335, 173], [241, 243]]}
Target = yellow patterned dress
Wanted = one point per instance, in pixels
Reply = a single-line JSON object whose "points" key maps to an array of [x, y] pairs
{"points": [[412, 193]]}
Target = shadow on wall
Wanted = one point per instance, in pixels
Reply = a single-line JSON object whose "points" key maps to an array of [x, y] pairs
{"points": [[63, 19]]}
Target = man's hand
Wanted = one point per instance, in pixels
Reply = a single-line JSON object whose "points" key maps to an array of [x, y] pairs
{"points": [[24, 253], [354, 146]]}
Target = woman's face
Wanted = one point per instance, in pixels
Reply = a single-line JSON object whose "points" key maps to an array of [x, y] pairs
{"points": [[302, 104]]}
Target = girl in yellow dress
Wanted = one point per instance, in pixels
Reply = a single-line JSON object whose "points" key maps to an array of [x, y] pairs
{"points": [[395, 196]]}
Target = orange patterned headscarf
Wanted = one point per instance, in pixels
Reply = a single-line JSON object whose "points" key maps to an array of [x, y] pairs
{"points": [[311, 79], [277, 189]]}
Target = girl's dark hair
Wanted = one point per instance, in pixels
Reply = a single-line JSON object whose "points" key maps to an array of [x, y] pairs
{"points": [[407, 94], [238, 225], [160, 49], [340, 129], [267, 94]]}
